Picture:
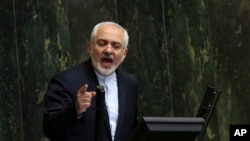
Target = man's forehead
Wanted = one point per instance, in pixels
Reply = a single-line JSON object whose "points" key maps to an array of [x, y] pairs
{"points": [[107, 27], [109, 33]]}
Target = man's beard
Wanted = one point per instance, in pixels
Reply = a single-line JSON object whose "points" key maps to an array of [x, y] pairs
{"points": [[105, 71]]}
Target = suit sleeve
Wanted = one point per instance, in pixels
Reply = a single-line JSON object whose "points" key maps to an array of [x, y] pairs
{"points": [[59, 109]]}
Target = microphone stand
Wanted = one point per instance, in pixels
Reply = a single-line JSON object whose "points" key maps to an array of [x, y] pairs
{"points": [[99, 119]]}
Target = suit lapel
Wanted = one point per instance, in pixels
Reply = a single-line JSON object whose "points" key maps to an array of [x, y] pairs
{"points": [[122, 102]]}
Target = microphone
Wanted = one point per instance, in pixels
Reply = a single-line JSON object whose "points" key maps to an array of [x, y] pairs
{"points": [[99, 118]]}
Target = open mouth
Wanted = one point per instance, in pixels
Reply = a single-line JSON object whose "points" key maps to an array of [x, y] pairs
{"points": [[107, 62]]}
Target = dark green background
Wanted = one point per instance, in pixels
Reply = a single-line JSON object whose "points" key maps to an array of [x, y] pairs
{"points": [[177, 48]]}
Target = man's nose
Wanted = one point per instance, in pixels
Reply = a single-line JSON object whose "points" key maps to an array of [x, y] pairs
{"points": [[109, 48]]}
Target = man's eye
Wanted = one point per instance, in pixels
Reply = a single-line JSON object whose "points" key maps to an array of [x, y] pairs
{"points": [[116, 45], [102, 43]]}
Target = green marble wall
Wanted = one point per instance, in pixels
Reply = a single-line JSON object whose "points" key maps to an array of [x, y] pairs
{"points": [[177, 49]]}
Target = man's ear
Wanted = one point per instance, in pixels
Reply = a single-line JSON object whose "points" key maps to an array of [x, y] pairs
{"points": [[125, 52], [90, 48]]}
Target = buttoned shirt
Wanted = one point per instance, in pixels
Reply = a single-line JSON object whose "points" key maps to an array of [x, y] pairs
{"points": [[111, 98]]}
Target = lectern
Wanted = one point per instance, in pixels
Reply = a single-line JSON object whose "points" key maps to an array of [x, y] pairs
{"points": [[168, 128]]}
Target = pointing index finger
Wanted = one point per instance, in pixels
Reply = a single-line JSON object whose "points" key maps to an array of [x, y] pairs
{"points": [[84, 88]]}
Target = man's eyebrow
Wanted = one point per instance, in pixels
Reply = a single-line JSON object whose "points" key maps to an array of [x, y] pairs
{"points": [[109, 41]]}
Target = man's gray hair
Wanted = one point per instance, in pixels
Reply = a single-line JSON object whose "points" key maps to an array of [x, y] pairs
{"points": [[125, 33]]}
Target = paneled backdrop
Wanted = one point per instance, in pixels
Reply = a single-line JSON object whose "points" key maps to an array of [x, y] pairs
{"points": [[177, 48]]}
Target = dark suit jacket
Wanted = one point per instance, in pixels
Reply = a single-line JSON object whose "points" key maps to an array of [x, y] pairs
{"points": [[60, 122]]}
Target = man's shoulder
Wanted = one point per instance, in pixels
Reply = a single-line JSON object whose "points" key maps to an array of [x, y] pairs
{"points": [[72, 70], [75, 72], [126, 76]]}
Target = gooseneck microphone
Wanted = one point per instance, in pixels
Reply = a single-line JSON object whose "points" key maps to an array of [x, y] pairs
{"points": [[99, 118]]}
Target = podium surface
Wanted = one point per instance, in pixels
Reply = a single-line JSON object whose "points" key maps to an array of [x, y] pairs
{"points": [[168, 128]]}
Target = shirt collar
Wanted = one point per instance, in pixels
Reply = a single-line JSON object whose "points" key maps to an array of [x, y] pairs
{"points": [[106, 78]]}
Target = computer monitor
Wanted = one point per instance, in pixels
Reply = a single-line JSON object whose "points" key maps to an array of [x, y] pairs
{"points": [[168, 128]]}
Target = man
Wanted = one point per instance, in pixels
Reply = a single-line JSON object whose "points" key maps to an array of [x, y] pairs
{"points": [[69, 104]]}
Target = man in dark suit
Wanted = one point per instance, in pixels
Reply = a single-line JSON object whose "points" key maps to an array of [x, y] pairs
{"points": [[69, 104]]}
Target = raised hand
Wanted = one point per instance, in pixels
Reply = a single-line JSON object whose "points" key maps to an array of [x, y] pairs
{"points": [[83, 99]]}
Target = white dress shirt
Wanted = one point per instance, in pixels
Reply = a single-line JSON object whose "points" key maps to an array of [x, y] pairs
{"points": [[111, 98]]}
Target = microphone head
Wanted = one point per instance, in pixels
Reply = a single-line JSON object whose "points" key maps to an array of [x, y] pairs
{"points": [[100, 88]]}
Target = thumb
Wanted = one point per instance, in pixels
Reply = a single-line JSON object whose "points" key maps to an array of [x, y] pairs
{"points": [[93, 93]]}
